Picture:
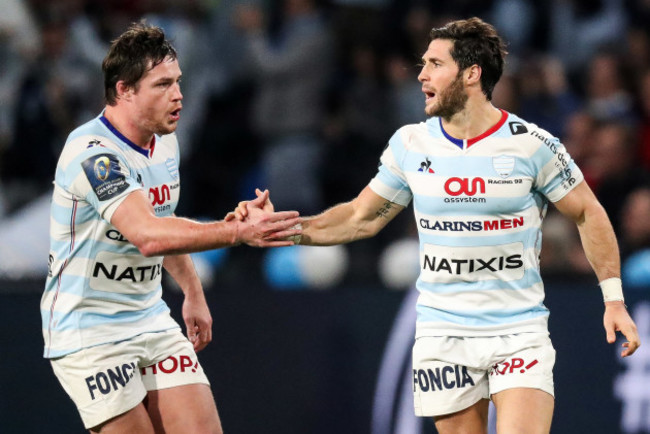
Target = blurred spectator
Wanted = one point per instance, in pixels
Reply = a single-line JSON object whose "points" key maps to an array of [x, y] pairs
{"points": [[644, 126], [292, 68], [405, 91], [608, 90], [562, 252], [635, 239], [359, 127], [611, 163], [635, 224], [578, 28], [546, 98], [55, 89]]}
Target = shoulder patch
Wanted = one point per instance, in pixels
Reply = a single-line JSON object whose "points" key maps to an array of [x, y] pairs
{"points": [[105, 175]]}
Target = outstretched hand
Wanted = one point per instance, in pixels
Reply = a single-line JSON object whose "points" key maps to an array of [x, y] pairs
{"points": [[617, 319], [262, 201], [260, 226]]}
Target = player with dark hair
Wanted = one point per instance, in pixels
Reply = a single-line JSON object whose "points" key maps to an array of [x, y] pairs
{"points": [[109, 336], [481, 331]]}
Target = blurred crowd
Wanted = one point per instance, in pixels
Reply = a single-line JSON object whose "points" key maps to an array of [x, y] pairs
{"points": [[301, 96]]}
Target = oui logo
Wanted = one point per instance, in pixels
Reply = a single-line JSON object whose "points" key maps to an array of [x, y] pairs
{"points": [[456, 186]]}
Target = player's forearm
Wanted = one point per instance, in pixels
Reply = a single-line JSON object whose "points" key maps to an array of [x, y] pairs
{"points": [[599, 242], [337, 225], [174, 235], [181, 269]]}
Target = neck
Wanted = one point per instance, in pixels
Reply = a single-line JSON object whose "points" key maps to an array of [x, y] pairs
{"points": [[476, 118], [123, 122]]}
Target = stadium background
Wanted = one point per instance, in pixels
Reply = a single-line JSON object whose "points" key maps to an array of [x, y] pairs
{"points": [[301, 335]]}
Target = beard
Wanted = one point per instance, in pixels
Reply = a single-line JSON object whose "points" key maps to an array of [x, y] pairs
{"points": [[451, 100]]}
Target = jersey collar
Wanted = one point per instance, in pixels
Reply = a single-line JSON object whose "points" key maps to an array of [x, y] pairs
{"points": [[146, 152], [466, 143]]}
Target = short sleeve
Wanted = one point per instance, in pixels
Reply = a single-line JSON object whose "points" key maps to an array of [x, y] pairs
{"points": [[390, 181]]}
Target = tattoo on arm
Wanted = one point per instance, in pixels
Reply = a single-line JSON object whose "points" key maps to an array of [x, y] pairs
{"points": [[385, 209]]}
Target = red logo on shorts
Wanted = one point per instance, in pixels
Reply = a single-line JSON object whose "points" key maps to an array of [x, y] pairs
{"points": [[508, 367], [171, 364]]}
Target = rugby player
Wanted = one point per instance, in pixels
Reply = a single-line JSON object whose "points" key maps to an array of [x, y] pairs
{"points": [[480, 179], [109, 336]]}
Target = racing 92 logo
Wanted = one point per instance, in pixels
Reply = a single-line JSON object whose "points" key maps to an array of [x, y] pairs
{"points": [[456, 186], [159, 195]]}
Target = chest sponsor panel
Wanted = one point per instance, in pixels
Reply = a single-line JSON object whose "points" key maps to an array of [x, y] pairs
{"points": [[446, 264], [125, 274], [457, 189]]}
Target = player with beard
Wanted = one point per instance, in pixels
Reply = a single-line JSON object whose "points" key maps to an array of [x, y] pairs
{"points": [[480, 179]]}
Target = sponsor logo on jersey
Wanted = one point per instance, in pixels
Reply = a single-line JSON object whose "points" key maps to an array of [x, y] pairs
{"points": [[105, 175], [517, 128], [425, 166], [441, 378], [513, 365], [561, 163], [472, 225], [171, 364], [456, 186], [446, 264], [110, 379], [159, 195], [132, 274], [125, 273], [503, 165], [115, 235], [93, 143]]}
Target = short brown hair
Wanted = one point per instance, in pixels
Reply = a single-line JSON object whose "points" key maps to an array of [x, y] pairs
{"points": [[140, 48], [475, 43]]}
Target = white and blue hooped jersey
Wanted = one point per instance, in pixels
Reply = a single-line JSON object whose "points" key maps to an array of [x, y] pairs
{"points": [[478, 206], [100, 288]]}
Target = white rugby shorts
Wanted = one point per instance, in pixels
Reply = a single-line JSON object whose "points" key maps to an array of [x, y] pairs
{"points": [[110, 379], [451, 374]]}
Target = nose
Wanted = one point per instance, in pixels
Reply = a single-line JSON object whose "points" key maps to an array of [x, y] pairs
{"points": [[178, 95], [422, 76]]}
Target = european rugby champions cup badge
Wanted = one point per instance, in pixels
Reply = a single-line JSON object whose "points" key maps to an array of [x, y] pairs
{"points": [[503, 165], [104, 173]]}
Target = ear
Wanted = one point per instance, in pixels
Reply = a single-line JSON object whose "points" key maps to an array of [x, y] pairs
{"points": [[124, 91], [473, 75]]}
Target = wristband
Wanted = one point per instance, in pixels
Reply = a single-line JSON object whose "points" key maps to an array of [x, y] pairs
{"points": [[612, 289]]}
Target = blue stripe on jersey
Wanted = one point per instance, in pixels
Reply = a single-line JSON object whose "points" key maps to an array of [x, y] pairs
{"points": [[531, 276], [86, 248], [61, 214], [391, 180], [86, 319], [438, 206], [480, 318], [528, 237], [79, 286]]}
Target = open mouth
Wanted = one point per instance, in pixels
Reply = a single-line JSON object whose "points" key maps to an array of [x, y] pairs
{"points": [[176, 114], [429, 95]]}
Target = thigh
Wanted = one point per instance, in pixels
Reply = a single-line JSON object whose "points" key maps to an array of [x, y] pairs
{"points": [[184, 409], [135, 421], [470, 420], [524, 410]]}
